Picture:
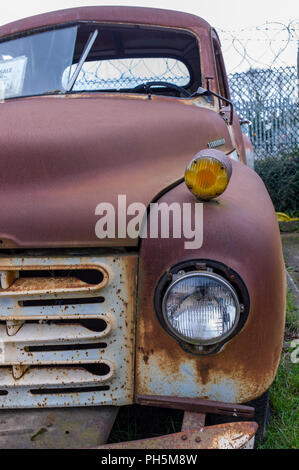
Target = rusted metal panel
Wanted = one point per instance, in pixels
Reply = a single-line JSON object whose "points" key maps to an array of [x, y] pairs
{"points": [[221, 436], [196, 405], [55, 344], [64, 428], [50, 201], [69, 347], [240, 230], [11, 285], [193, 420]]}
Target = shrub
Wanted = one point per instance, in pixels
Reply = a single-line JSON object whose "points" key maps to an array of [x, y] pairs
{"points": [[280, 174]]}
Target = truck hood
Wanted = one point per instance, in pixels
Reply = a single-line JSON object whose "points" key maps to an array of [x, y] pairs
{"points": [[62, 156]]}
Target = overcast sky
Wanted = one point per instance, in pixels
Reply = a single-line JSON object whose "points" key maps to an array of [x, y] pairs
{"points": [[222, 14], [225, 14]]}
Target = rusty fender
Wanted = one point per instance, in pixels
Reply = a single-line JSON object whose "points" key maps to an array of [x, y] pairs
{"points": [[241, 231], [195, 435]]}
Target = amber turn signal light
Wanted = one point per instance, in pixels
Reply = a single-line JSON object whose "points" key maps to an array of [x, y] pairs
{"points": [[208, 174]]}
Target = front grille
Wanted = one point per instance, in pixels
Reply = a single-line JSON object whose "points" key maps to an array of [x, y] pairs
{"points": [[67, 330]]}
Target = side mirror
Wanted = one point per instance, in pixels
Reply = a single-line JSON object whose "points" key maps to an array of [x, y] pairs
{"points": [[203, 91]]}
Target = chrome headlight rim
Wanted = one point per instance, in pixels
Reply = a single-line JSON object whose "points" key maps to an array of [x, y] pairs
{"points": [[198, 265], [209, 275]]}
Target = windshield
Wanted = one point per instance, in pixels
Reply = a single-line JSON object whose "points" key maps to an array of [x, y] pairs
{"points": [[89, 57], [127, 73]]}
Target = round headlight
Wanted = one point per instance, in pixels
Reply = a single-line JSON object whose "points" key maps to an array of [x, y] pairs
{"points": [[201, 308], [208, 174]]}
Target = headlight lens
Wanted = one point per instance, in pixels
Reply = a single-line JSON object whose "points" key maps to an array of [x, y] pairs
{"points": [[201, 308], [208, 174]]}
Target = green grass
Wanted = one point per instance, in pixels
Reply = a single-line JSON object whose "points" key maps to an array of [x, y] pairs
{"points": [[283, 430], [292, 318]]}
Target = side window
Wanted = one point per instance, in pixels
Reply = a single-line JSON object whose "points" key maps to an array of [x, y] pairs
{"points": [[220, 70]]}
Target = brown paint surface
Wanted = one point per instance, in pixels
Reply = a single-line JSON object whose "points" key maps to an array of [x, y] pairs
{"points": [[110, 14], [61, 157], [240, 231]]}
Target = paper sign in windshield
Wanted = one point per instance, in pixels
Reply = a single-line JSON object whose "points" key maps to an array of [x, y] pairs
{"points": [[12, 74]]}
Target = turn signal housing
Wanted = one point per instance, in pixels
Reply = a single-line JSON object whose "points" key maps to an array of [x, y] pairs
{"points": [[208, 174]]}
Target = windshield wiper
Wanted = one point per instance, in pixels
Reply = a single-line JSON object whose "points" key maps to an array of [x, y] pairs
{"points": [[88, 46]]}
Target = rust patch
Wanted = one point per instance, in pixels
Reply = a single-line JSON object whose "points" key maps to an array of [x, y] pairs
{"points": [[222, 436], [12, 284], [193, 420], [233, 229], [180, 132], [197, 405]]}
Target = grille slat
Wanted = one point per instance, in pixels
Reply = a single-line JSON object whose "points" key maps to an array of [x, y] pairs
{"points": [[51, 391], [39, 280]]}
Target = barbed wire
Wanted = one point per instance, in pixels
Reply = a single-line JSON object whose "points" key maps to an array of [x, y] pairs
{"points": [[263, 78], [267, 45], [262, 65]]}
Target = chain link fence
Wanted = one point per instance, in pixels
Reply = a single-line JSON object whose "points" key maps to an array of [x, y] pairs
{"points": [[263, 80], [268, 99], [264, 87], [264, 83], [128, 73]]}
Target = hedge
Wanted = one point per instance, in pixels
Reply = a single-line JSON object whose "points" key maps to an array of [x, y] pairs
{"points": [[280, 174]]}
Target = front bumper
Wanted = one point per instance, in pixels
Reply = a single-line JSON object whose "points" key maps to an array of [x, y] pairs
{"points": [[194, 434], [86, 428], [222, 436]]}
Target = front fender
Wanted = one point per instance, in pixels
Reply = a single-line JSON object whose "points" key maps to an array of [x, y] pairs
{"points": [[241, 231]]}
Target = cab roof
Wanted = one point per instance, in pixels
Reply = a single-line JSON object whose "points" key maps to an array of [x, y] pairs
{"points": [[113, 14]]}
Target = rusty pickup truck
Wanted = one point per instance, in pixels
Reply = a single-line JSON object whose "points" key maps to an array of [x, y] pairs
{"points": [[140, 256]]}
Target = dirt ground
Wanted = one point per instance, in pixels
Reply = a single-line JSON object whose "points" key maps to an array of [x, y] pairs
{"points": [[290, 246]]}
